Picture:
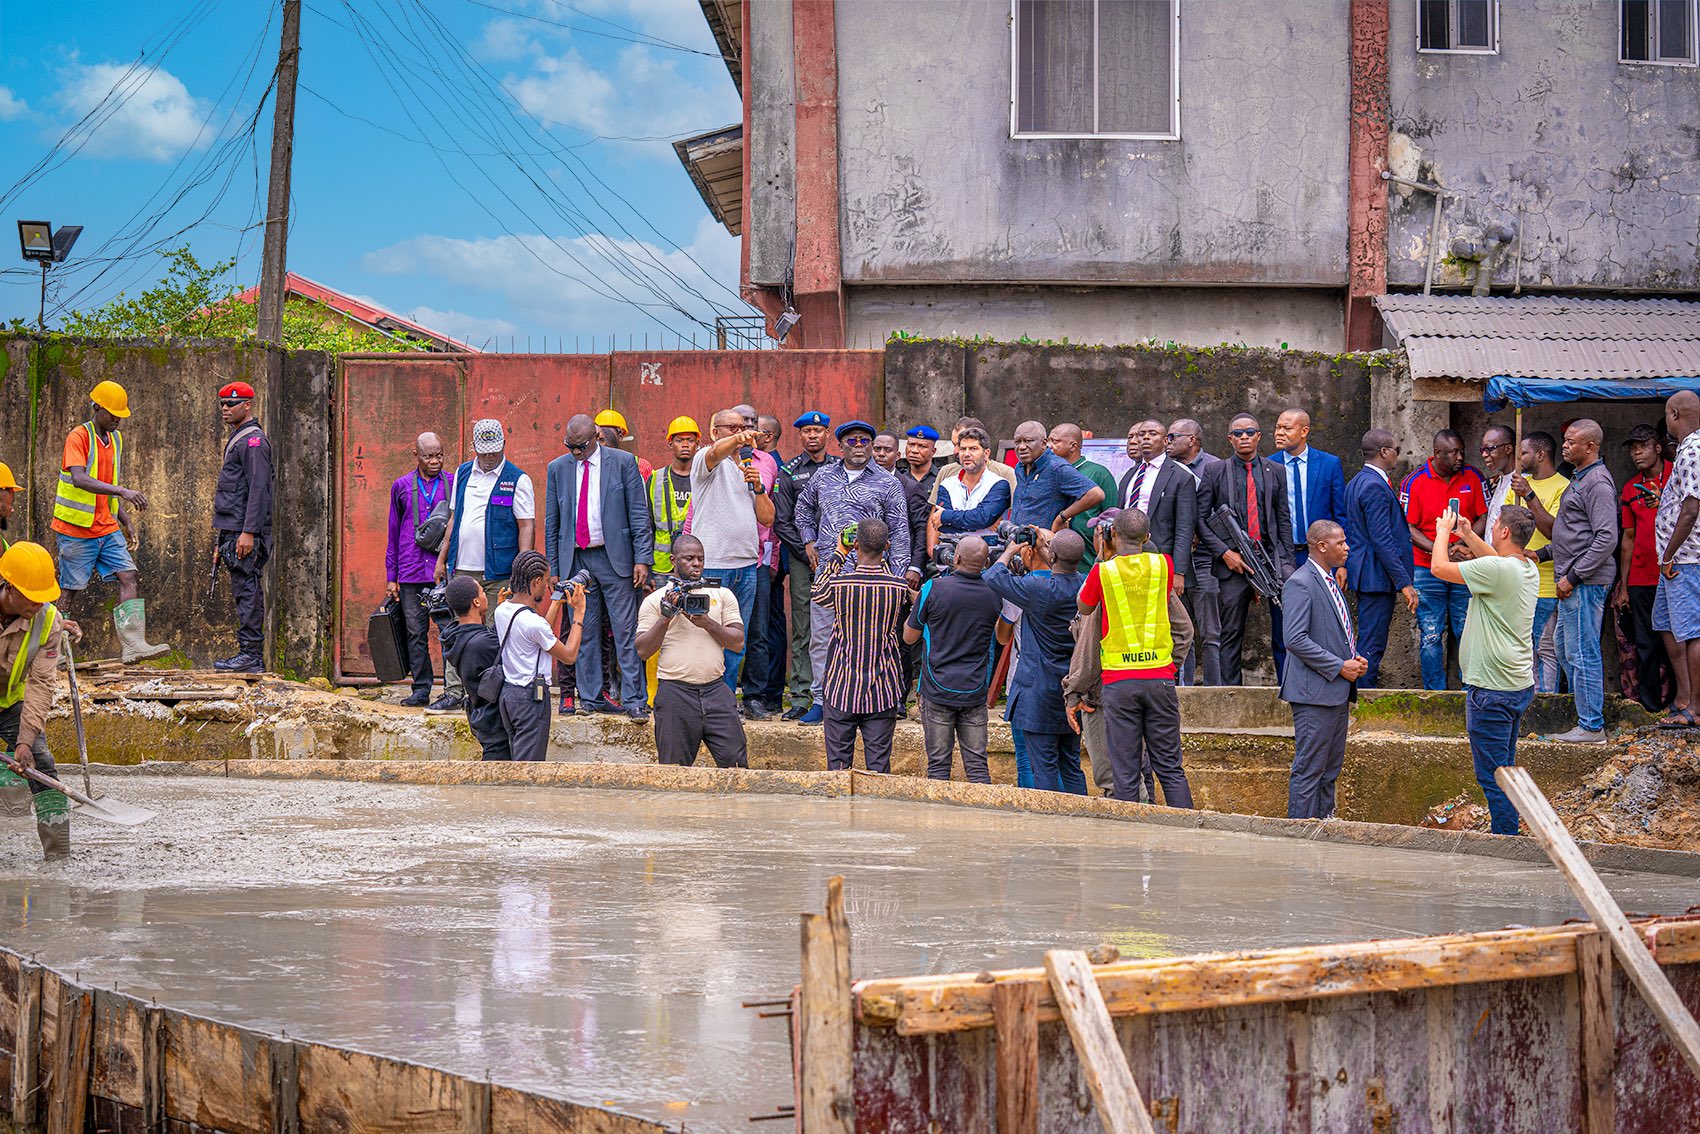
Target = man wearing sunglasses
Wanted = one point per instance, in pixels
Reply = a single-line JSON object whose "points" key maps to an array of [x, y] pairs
{"points": [[242, 518], [1254, 490]]}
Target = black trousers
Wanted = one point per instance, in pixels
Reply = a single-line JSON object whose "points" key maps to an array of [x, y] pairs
{"points": [[526, 721], [1652, 663], [1145, 712], [877, 730], [416, 611], [486, 722], [688, 716], [248, 586], [1235, 595]]}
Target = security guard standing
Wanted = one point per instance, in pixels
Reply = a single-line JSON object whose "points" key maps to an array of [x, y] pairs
{"points": [[29, 659], [242, 518], [670, 490], [813, 429]]}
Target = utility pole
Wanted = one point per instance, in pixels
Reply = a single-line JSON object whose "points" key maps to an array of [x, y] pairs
{"points": [[273, 264]]}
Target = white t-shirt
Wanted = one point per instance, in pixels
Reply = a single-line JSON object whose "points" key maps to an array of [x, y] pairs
{"points": [[469, 553], [723, 513], [525, 651]]}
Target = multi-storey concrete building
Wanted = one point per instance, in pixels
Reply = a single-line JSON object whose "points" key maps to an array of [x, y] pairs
{"points": [[1197, 170]]}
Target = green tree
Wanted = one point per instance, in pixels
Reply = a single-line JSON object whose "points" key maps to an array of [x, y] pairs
{"points": [[198, 301]]}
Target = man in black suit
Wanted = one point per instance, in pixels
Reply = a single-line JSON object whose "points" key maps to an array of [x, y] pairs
{"points": [[1262, 514], [1166, 492]]}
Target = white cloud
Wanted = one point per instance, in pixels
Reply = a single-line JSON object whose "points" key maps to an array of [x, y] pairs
{"points": [[505, 40], [158, 121], [11, 106], [641, 94], [474, 330], [536, 278]]}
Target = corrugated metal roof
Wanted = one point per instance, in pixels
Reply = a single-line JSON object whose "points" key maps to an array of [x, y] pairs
{"points": [[1544, 336]]}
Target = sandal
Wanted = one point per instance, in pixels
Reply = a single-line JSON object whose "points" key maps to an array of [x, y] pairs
{"points": [[1679, 718]]}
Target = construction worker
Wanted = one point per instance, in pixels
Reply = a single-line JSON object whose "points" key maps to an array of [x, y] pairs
{"points": [[670, 490], [242, 522], [9, 489], [95, 529], [29, 658], [612, 425]]}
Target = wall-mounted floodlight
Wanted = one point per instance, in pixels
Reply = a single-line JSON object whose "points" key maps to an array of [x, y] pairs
{"points": [[783, 325], [38, 241]]}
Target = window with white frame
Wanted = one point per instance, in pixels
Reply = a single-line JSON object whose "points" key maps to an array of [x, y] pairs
{"points": [[1658, 31], [1096, 68], [1458, 25]]}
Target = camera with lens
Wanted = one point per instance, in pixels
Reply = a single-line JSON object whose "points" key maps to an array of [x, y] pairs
{"points": [[944, 555], [577, 579], [1011, 532], [686, 596], [437, 603]]}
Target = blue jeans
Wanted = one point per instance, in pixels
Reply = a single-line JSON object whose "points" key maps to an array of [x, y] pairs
{"points": [[1438, 604], [1578, 641], [1055, 757], [1023, 766], [741, 581], [1545, 682], [1493, 717]]}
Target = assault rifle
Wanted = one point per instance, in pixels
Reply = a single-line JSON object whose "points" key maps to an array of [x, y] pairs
{"points": [[1264, 579]]}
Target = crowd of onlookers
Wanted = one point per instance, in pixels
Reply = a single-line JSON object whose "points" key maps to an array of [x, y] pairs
{"points": [[835, 587]]}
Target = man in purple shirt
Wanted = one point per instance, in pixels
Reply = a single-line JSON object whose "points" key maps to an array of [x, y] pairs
{"points": [[410, 569]]}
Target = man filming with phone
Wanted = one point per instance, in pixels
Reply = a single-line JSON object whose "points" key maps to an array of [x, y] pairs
{"points": [[692, 623]]}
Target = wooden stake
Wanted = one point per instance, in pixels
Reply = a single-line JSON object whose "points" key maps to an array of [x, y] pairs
{"points": [[68, 1100], [1599, 1033], [1120, 1108], [26, 1062], [1015, 1007], [153, 1070], [824, 1025], [1631, 952]]}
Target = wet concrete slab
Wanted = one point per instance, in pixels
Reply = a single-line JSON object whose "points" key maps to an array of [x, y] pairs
{"points": [[597, 942]]}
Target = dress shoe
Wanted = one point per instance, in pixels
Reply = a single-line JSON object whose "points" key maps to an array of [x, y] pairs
{"points": [[244, 662], [795, 713], [638, 713], [754, 711], [447, 703], [416, 701]]}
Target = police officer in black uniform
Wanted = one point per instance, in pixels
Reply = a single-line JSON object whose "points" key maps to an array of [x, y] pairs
{"points": [[242, 519]]}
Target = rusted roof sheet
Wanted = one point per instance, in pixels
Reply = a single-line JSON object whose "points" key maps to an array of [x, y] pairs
{"points": [[1476, 337], [715, 162]]}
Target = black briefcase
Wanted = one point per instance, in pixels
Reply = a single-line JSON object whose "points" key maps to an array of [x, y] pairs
{"points": [[386, 638]]}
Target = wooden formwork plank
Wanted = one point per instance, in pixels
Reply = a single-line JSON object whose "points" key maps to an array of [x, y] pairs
{"points": [[827, 1105], [1114, 1092], [26, 1062], [1015, 1008], [349, 1090], [73, 1056], [116, 1072], [216, 1075], [1642, 970], [1599, 1033], [520, 1112], [963, 1001], [153, 1071]]}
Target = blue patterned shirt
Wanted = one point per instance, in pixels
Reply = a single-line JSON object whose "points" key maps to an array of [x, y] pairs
{"points": [[1042, 493], [831, 502]]}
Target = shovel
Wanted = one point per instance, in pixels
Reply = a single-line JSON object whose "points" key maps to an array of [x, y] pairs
{"points": [[77, 717], [108, 810]]}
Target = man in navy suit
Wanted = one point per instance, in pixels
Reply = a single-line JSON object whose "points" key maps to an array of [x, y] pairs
{"points": [[596, 519], [1316, 490], [1379, 566], [1323, 663]]}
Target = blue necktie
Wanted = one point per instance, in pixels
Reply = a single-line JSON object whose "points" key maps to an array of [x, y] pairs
{"points": [[1300, 524]]}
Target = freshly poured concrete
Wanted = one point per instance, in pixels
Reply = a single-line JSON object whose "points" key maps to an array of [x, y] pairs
{"points": [[596, 943]]}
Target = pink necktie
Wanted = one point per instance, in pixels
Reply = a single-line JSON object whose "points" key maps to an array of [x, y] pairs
{"points": [[581, 530]]}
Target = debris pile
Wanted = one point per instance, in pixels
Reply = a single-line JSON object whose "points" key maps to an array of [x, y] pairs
{"points": [[1647, 794]]}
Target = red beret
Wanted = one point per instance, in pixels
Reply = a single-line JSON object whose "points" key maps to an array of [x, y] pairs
{"points": [[237, 390]]}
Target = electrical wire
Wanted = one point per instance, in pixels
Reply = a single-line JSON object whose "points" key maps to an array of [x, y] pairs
{"points": [[636, 36]]}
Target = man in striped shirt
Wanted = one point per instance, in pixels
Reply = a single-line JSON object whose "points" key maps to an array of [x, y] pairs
{"points": [[862, 686]]}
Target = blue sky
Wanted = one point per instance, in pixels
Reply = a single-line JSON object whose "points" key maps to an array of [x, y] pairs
{"points": [[469, 163]]}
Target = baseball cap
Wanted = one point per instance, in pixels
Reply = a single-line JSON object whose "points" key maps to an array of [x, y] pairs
{"points": [[487, 436]]}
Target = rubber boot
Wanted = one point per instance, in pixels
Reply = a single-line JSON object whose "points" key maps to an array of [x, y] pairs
{"points": [[14, 793], [53, 823], [130, 619]]}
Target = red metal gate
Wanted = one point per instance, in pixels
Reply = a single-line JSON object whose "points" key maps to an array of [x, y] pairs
{"points": [[386, 401]]}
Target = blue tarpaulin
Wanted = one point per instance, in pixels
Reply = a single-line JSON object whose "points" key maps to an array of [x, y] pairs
{"points": [[1503, 390]]}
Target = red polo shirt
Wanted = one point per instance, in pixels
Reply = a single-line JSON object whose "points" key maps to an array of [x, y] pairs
{"points": [[1425, 494], [1639, 515]]}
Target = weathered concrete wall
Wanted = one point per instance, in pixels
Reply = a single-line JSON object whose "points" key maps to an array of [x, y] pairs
{"points": [[770, 199], [935, 189], [1302, 318], [1599, 156], [173, 449]]}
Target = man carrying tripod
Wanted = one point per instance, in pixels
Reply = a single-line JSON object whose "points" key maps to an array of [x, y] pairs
{"points": [[690, 626]]}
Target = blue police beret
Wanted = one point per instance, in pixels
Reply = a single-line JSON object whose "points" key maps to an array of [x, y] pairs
{"points": [[853, 425], [813, 417], [925, 433]]}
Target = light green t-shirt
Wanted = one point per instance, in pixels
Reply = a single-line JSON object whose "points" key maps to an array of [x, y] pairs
{"points": [[1497, 651]]}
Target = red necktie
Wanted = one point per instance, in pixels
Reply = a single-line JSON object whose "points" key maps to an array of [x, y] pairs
{"points": [[1252, 527], [581, 530]]}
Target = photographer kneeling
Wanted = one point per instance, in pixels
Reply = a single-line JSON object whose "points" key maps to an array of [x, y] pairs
{"points": [[692, 625], [528, 640]]}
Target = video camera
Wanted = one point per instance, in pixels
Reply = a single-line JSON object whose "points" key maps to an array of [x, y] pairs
{"points": [[577, 579], [1011, 532], [685, 596], [437, 603]]}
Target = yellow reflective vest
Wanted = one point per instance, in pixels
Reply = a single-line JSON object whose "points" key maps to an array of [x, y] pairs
{"points": [[76, 506], [18, 680], [668, 516], [1136, 609]]}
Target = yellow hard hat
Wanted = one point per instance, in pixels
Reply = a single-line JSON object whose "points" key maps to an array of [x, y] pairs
{"points": [[110, 396], [614, 418], [29, 569], [682, 425], [7, 480]]}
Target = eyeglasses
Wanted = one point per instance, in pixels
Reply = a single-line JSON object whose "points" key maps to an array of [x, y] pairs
{"points": [[582, 445], [1495, 448], [857, 442], [1245, 433]]}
